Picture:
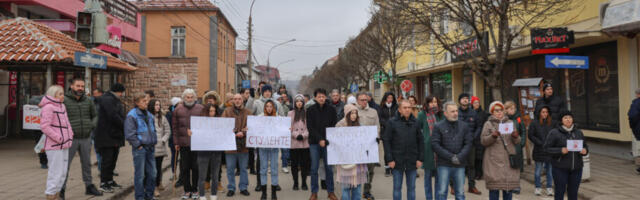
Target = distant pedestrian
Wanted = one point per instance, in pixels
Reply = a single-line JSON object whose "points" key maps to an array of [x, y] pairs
{"points": [[567, 165], [337, 103], [320, 116], [451, 140], [182, 138], [140, 131], [498, 173], [163, 133], [539, 130], [110, 134], [481, 117], [388, 110], [209, 162], [368, 117], [556, 103], [403, 150], [414, 106], [351, 176], [428, 117], [634, 119], [59, 138], [467, 114], [300, 159], [238, 159]]}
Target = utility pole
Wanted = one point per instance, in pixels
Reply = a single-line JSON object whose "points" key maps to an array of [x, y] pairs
{"points": [[249, 50]]}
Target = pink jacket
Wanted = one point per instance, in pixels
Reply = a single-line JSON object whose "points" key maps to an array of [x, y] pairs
{"points": [[54, 123], [298, 128]]}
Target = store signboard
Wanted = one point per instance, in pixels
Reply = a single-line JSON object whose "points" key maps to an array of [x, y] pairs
{"points": [[551, 40], [469, 48]]}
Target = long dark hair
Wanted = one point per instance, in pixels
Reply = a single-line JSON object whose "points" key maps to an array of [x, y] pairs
{"points": [[429, 99], [385, 96], [548, 120], [299, 114], [207, 107], [275, 110], [348, 119], [151, 107]]}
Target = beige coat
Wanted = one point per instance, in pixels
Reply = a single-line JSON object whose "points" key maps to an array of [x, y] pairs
{"points": [[368, 117], [498, 174], [163, 132]]}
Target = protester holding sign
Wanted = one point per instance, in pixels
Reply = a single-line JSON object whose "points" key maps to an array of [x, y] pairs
{"points": [[209, 161], [428, 117], [240, 157], [566, 159], [299, 143], [351, 176], [140, 131], [269, 156], [499, 139], [182, 138]]}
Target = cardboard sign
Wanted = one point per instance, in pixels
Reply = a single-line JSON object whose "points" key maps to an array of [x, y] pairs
{"points": [[31, 117], [212, 134], [574, 145], [505, 128], [352, 145], [268, 132]]}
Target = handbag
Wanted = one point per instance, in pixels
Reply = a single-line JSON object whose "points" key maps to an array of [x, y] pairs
{"points": [[40, 145], [514, 160]]}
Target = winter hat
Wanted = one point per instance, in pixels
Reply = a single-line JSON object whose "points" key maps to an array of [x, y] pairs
{"points": [[175, 101], [463, 95], [545, 86], [265, 88], [276, 96], [473, 99], [351, 100], [495, 104], [299, 97], [348, 108], [117, 87], [565, 113]]}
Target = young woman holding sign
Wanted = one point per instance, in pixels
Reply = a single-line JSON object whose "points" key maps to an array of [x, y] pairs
{"points": [[563, 144], [269, 156], [351, 176], [499, 139], [209, 161], [299, 143]]}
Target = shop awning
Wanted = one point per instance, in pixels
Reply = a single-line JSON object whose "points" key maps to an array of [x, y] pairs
{"points": [[527, 82], [23, 41]]}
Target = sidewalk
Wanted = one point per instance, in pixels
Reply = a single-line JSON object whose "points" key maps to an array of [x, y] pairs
{"points": [[22, 178], [611, 178]]}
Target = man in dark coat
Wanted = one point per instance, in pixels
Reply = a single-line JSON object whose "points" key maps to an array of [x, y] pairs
{"points": [[110, 134], [556, 103], [467, 114], [403, 149], [481, 117], [320, 116], [181, 129], [337, 103]]}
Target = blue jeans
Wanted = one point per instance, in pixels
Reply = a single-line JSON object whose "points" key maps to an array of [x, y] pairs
{"points": [[285, 157], [495, 195], [318, 153], [144, 163], [268, 156], [351, 193], [429, 183], [538, 172], [444, 175], [398, 174], [243, 160]]}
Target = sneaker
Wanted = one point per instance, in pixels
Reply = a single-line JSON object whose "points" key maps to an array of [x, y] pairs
{"points": [[113, 184], [156, 193], [549, 192], [104, 187], [285, 170], [202, 198], [92, 190], [230, 193], [245, 192], [186, 195], [212, 197], [115, 173], [44, 166], [538, 191], [195, 196]]}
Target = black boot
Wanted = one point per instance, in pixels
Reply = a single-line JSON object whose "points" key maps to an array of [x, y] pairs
{"points": [[92, 190], [264, 192], [274, 189], [62, 194]]}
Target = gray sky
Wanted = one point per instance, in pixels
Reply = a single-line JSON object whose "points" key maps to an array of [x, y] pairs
{"points": [[320, 27]]}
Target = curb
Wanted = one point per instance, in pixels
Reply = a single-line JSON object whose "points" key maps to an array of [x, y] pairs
{"points": [[128, 189], [528, 175]]}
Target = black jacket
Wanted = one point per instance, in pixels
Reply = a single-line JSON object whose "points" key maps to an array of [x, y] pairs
{"points": [[318, 119], [339, 109], [468, 116], [451, 138], [111, 115], [556, 105], [538, 134], [479, 120], [403, 142], [556, 140], [634, 118]]}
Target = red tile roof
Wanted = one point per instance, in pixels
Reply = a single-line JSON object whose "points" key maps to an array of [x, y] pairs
{"points": [[241, 57], [274, 73], [23, 40], [175, 5]]}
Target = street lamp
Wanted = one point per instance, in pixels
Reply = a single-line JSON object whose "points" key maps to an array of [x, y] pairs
{"points": [[269, 56], [278, 67]]}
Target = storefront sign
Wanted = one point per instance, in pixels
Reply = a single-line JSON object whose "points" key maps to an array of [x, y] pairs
{"points": [[90, 60], [380, 77], [566, 62], [469, 48], [114, 43], [178, 80], [406, 85], [31, 117], [551, 40]]}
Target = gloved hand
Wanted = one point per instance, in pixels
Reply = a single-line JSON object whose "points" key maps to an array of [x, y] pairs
{"points": [[326, 143], [455, 160], [299, 138]]}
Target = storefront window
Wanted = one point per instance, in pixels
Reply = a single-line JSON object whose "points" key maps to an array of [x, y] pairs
{"points": [[467, 81], [441, 85], [31, 84]]}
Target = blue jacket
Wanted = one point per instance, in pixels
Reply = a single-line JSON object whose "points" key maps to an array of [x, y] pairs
{"points": [[139, 128], [634, 118]]}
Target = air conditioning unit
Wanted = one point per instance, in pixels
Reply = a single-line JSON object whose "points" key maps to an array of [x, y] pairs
{"points": [[411, 66]]}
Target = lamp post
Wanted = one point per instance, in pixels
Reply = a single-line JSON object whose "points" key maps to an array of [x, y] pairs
{"points": [[269, 55], [249, 50]]}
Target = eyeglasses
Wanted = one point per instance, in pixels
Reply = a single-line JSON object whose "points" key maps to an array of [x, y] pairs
{"points": [[497, 110], [363, 100]]}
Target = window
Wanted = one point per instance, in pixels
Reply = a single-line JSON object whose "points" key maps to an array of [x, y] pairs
{"points": [[467, 81], [177, 41], [441, 85]]}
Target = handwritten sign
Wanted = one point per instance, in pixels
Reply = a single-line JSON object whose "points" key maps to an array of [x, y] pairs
{"points": [[505, 128], [31, 117], [268, 132], [574, 145], [212, 134], [352, 145]]}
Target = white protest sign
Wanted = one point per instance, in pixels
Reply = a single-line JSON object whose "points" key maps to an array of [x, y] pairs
{"points": [[212, 134], [574, 145], [505, 128], [352, 145], [31, 117], [268, 132]]}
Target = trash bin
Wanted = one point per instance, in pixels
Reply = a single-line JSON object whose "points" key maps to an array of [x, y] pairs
{"points": [[586, 169]]}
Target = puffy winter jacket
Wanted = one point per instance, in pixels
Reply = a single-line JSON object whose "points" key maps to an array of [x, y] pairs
{"points": [[82, 115], [139, 128], [554, 143], [403, 142], [163, 133], [182, 122], [451, 138], [55, 124], [538, 134]]}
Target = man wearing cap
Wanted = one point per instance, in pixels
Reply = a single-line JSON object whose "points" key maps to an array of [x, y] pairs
{"points": [[467, 114], [555, 103]]}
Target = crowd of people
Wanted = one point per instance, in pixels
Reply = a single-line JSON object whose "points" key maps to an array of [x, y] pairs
{"points": [[449, 141]]}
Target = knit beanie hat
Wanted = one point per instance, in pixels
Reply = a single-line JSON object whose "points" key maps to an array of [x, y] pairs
{"points": [[299, 97], [348, 108], [565, 113], [545, 86], [351, 100], [463, 95], [473, 99], [495, 104], [265, 88]]}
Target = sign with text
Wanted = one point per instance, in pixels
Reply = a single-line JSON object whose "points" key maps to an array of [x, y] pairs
{"points": [[469, 48], [551, 38], [505, 128], [268, 132], [352, 145], [566, 62], [83, 59], [212, 134], [178, 80], [31, 117], [114, 43], [574, 145]]}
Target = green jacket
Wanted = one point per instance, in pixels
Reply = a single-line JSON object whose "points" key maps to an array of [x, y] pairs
{"points": [[429, 158], [82, 115]]}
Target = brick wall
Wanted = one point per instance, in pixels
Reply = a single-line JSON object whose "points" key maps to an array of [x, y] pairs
{"points": [[158, 77]]}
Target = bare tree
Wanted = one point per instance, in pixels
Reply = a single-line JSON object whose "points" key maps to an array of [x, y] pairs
{"points": [[495, 23]]}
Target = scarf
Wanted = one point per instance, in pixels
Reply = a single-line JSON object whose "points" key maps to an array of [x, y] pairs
{"points": [[431, 118], [568, 129]]}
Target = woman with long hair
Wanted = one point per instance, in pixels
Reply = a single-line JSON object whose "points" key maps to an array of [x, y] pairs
{"points": [[209, 161], [351, 176], [269, 158], [414, 106], [163, 132], [431, 114], [538, 131], [299, 143]]}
